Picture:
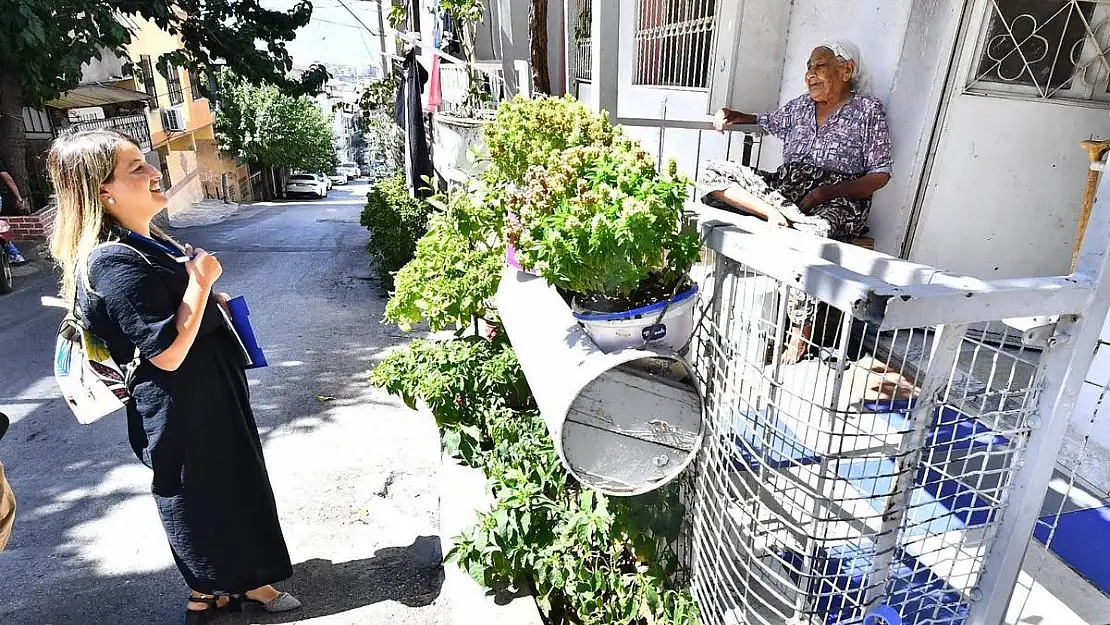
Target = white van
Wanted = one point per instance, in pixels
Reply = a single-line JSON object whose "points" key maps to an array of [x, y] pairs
{"points": [[349, 168]]}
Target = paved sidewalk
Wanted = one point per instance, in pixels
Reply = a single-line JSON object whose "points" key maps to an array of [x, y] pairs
{"points": [[204, 213]]}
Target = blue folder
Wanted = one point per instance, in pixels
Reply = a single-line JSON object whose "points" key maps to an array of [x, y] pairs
{"points": [[241, 319]]}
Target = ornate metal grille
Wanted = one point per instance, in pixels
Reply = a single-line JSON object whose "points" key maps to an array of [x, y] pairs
{"points": [[134, 126], [674, 39], [582, 50], [1045, 49]]}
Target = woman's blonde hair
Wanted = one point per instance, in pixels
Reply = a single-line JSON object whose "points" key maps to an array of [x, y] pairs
{"points": [[79, 164]]}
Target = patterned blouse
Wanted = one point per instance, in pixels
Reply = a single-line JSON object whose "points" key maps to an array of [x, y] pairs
{"points": [[854, 140]]}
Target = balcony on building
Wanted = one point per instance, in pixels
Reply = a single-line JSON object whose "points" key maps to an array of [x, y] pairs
{"points": [[103, 106]]}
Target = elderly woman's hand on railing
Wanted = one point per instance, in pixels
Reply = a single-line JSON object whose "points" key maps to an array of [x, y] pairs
{"points": [[720, 120], [727, 117]]}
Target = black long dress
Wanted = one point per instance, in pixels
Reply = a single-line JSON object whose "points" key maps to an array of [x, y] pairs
{"points": [[194, 426]]}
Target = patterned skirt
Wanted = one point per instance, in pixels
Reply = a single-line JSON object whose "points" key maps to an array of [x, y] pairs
{"points": [[840, 218]]}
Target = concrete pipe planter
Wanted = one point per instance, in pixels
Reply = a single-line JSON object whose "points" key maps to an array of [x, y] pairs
{"points": [[624, 423]]}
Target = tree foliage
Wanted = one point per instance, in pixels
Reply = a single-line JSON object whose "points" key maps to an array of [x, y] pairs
{"points": [[45, 43], [377, 120], [264, 125]]}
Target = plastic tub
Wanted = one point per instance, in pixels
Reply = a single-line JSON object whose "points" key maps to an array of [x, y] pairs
{"points": [[641, 327]]}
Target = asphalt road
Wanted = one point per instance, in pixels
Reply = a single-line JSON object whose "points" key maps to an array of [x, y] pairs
{"points": [[353, 470]]}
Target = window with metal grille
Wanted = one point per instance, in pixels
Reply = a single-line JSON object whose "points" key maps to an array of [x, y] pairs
{"points": [[164, 167], [173, 84], [582, 43], [1044, 49], [194, 84], [673, 41], [149, 86]]}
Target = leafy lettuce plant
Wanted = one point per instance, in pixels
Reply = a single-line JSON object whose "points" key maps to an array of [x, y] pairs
{"points": [[602, 220]]}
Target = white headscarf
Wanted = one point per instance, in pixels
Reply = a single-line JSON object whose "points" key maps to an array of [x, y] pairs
{"points": [[849, 51]]}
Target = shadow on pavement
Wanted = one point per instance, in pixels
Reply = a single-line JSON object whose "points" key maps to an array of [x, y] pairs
{"points": [[410, 575]]}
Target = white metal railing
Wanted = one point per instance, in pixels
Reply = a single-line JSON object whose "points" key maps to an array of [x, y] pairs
{"points": [[134, 126], [694, 143], [472, 88]]}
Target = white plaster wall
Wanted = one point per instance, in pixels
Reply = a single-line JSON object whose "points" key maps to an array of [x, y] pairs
{"points": [[110, 67], [486, 35], [878, 27]]}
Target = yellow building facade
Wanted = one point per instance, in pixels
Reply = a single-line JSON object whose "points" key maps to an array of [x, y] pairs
{"points": [[181, 125]]}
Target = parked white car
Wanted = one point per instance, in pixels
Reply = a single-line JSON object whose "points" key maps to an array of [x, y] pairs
{"points": [[350, 169], [323, 177], [338, 177], [306, 184]]}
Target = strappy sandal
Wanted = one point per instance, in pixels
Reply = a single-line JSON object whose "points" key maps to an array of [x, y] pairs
{"points": [[212, 606]]}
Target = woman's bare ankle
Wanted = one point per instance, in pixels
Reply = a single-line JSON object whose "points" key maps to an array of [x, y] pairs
{"points": [[265, 594]]}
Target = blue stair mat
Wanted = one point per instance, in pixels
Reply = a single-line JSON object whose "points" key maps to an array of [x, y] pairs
{"points": [[951, 493], [1082, 540], [889, 405], [951, 429], [916, 593], [749, 444], [939, 504], [942, 505]]}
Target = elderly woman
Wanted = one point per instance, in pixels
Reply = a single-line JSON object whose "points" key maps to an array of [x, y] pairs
{"points": [[836, 156]]}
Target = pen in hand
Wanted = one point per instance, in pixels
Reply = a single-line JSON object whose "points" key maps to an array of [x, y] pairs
{"points": [[185, 259]]}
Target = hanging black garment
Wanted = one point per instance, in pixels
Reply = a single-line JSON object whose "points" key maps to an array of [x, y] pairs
{"points": [[410, 117]]}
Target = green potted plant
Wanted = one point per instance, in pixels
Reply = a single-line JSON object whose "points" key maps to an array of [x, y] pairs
{"points": [[527, 133], [605, 227]]}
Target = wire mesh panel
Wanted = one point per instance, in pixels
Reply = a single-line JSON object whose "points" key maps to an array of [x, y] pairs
{"points": [[854, 462], [1074, 523]]}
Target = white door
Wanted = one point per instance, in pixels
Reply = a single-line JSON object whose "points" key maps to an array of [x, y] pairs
{"points": [[1005, 187]]}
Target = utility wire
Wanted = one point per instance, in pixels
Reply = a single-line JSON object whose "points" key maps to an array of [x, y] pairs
{"points": [[343, 4]]}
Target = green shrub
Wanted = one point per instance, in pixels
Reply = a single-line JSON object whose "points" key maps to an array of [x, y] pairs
{"points": [[455, 271], [588, 558], [396, 221], [462, 382]]}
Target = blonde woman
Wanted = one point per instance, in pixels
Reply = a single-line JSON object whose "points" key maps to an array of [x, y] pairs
{"points": [[189, 418]]}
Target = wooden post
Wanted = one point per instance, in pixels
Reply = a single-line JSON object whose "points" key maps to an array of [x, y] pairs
{"points": [[537, 46], [1095, 151]]}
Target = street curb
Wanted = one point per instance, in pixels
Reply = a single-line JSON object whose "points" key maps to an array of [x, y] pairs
{"points": [[462, 496]]}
